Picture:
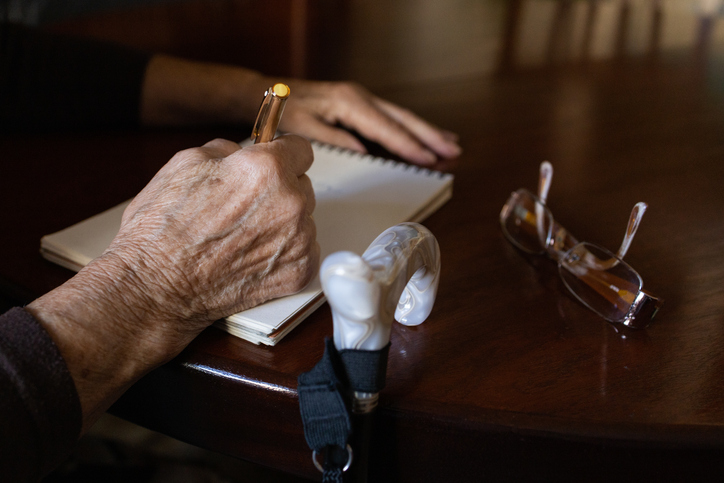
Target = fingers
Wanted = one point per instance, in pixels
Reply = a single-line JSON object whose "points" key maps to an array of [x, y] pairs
{"points": [[395, 128], [294, 152], [325, 133], [305, 186], [316, 108], [226, 228], [443, 143], [397, 140]]}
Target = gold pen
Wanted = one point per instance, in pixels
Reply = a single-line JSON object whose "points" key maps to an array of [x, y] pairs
{"points": [[270, 113]]}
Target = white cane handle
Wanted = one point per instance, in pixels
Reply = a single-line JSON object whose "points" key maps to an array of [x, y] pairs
{"points": [[397, 276]]}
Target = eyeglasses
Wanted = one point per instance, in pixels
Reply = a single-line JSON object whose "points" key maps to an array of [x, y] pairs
{"points": [[600, 280]]}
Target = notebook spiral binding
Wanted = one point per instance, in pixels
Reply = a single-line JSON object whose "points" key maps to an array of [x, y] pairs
{"points": [[377, 159]]}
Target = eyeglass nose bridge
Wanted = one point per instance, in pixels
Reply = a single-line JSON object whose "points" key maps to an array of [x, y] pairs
{"points": [[528, 210], [560, 241]]}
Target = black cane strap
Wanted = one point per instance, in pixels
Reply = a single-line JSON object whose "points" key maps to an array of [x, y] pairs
{"points": [[325, 392], [322, 404], [333, 475]]}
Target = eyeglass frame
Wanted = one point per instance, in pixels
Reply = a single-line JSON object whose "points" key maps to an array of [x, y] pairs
{"points": [[558, 243]]}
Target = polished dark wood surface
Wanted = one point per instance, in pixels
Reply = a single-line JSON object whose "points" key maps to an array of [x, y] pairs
{"points": [[511, 378]]}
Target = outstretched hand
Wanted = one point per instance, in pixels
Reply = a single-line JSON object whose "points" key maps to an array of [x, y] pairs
{"points": [[320, 110]]}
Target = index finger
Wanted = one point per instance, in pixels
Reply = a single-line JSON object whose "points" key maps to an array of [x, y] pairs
{"points": [[220, 148], [294, 151], [376, 125], [442, 142]]}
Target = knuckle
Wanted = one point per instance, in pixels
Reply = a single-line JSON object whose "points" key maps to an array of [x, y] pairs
{"points": [[304, 149], [264, 166], [306, 267], [346, 89], [189, 154], [262, 159], [218, 142], [296, 203]]}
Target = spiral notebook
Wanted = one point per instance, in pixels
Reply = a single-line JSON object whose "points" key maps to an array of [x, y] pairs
{"points": [[358, 197]]}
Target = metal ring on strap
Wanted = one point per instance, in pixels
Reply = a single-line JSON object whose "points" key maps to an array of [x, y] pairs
{"points": [[319, 466]]}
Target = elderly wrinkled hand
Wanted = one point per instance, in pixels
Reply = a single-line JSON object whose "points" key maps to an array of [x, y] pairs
{"points": [[219, 229]]}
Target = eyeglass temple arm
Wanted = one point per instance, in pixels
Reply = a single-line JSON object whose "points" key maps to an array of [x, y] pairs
{"points": [[544, 185], [646, 304], [637, 213], [544, 180], [633, 225]]}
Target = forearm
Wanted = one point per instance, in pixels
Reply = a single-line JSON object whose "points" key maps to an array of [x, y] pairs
{"points": [[177, 92], [103, 329]]}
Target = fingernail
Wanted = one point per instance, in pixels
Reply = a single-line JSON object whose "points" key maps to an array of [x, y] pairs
{"points": [[428, 157], [450, 136], [454, 150]]}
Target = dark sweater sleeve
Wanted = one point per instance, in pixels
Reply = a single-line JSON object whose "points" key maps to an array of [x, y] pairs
{"points": [[40, 413], [55, 82]]}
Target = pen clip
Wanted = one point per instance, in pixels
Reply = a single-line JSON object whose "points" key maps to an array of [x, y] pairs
{"points": [[261, 118]]}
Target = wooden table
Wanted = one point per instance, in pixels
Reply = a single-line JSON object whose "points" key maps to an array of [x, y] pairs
{"points": [[511, 378]]}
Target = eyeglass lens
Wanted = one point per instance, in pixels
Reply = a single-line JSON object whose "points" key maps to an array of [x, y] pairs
{"points": [[604, 283], [526, 222]]}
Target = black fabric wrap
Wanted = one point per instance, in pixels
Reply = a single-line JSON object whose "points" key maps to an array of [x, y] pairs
{"points": [[325, 392], [365, 370]]}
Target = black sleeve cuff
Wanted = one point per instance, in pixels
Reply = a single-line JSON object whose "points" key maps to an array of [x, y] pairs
{"points": [[40, 413]]}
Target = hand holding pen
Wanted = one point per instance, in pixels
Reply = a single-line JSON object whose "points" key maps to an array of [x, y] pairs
{"points": [[218, 229]]}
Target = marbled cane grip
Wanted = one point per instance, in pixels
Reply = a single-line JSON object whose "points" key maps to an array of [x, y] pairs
{"points": [[396, 276]]}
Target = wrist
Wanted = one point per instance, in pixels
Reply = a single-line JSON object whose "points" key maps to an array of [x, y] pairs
{"points": [[101, 328], [178, 91]]}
